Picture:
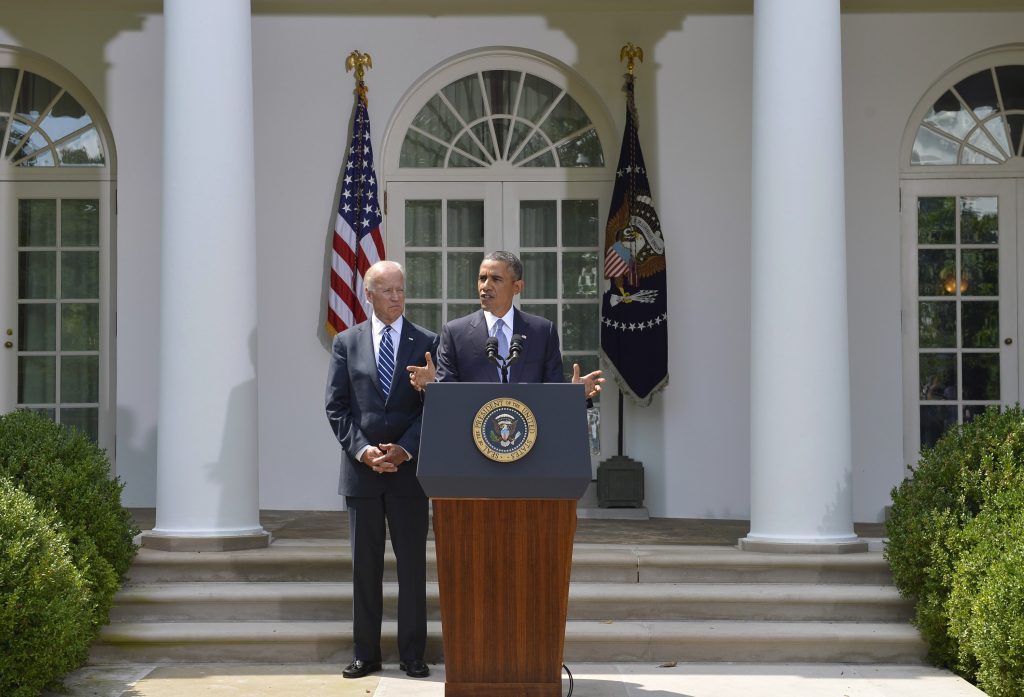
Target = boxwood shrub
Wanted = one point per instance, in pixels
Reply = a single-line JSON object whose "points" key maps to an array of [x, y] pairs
{"points": [[45, 601], [946, 490], [986, 606], [64, 471]]}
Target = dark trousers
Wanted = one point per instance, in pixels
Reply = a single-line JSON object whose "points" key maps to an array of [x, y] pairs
{"points": [[407, 520]]}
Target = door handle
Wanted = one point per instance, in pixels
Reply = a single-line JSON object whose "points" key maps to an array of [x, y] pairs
{"points": [[8, 344], [1008, 340]]}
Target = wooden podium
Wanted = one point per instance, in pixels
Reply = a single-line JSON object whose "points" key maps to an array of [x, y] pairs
{"points": [[504, 532]]}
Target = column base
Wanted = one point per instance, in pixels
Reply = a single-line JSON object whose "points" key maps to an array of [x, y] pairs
{"points": [[205, 543], [852, 545]]}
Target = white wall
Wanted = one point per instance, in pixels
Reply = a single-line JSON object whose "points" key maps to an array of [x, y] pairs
{"points": [[694, 100]]}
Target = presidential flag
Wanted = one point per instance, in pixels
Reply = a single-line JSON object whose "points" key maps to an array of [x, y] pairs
{"points": [[634, 309], [357, 242]]}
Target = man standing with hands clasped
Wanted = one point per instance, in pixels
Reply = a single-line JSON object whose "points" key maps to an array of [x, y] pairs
{"points": [[462, 356], [376, 416]]}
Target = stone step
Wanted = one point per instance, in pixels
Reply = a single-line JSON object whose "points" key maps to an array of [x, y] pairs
{"points": [[590, 641], [234, 601], [287, 560]]}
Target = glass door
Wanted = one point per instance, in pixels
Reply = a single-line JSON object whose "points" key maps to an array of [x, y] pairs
{"points": [[960, 304], [53, 262]]}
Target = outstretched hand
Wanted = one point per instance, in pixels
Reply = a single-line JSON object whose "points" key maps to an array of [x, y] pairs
{"points": [[422, 375], [591, 381]]}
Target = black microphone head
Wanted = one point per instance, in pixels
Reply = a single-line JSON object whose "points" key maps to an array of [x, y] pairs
{"points": [[491, 347], [515, 348]]}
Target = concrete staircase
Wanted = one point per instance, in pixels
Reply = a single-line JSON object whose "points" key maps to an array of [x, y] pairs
{"points": [[292, 603]]}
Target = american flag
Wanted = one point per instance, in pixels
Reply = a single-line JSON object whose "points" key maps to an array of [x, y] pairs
{"points": [[357, 240]]}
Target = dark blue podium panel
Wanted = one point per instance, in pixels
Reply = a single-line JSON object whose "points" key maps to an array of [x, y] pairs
{"points": [[451, 465]]}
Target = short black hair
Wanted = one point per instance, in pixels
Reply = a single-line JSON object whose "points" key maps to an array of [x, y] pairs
{"points": [[510, 260]]}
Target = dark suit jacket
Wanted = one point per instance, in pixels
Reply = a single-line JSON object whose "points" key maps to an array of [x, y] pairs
{"points": [[462, 358], [361, 414]]}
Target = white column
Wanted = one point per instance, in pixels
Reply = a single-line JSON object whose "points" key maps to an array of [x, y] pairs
{"points": [[801, 497], [207, 466]]}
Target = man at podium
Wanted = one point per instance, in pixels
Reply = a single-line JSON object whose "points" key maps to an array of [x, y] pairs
{"points": [[475, 348]]}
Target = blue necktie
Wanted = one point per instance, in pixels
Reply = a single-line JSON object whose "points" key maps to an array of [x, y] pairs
{"points": [[499, 334], [386, 360]]}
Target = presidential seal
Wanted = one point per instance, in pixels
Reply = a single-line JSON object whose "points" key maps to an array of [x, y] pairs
{"points": [[504, 429]]}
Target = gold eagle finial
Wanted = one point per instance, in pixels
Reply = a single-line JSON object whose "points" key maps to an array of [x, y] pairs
{"points": [[359, 62], [631, 53]]}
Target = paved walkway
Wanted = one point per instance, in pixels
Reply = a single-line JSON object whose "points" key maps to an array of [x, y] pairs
{"points": [[591, 680]]}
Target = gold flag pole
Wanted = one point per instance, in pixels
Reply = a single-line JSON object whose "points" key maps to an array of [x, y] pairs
{"points": [[359, 61]]}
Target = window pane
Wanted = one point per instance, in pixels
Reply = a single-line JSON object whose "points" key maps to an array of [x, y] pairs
{"points": [[36, 94], [423, 274], [535, 144], [501, 131], [482, 131], [948, 115], [938, 376], [979, 220], [540, 273], [583, 151], [79, 223], [980, 273], [79, 379], [465, 96], [466, 225], [934, 422], [80, 327], [932, 149], [66, 117], [579, 275], [437, 119], [537, 97], [501, 87], [470, 147], [420, 151], [549, 310], [581, 327], [538, 223], [519, 133], [463, 268], [937, 324], [80, 275], [82, 150], [427, 316], [37, 222], [580, 226], [980, 324], [85, 419], [40, 159], [37, 379], [567, 117], [37, 327], [37, 275], [936, 272], [456, 310], [981, 375], [459, 160], [936, 220], [545, 160], [422, 223]]}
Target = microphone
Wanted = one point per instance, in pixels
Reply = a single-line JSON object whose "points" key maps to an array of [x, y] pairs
{"points": [[515, 348], [491, 347]]}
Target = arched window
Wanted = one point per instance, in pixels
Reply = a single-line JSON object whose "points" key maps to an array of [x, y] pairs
{"points": [[56, 251], [42, 125], [501, 115]]}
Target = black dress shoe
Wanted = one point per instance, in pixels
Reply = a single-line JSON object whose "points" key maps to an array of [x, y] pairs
{"points": [[414, 669], [359, 668]]}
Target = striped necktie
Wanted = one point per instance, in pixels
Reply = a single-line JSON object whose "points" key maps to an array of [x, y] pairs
{"points": [[386, 360]]}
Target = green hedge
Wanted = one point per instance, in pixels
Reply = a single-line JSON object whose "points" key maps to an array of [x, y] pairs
{"points": [[45, 601], [942, 544], [65, 471], [986, 606]]}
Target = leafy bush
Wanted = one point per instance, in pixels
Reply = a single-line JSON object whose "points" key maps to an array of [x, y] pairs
{"points": [[45, 602], [65, 471], [947, 489], [986, 606]]}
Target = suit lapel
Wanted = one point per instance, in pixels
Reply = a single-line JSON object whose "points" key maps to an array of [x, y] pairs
{"points": [[368, 364]]}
